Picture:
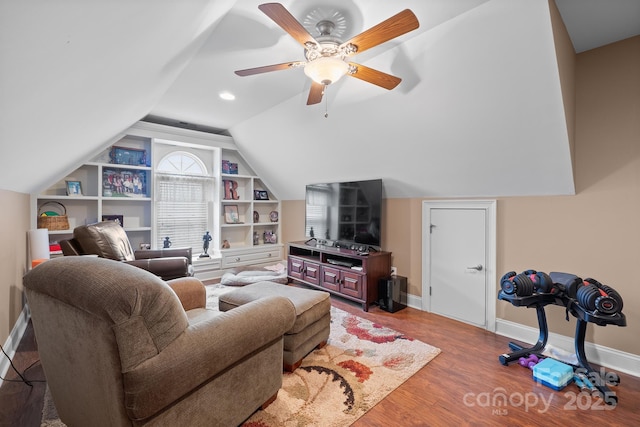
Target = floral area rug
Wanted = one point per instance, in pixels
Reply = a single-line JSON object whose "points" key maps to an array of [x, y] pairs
{"points": [[361, 364]]}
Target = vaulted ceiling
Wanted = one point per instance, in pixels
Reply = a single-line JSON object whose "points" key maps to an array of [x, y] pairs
{"points": [[480, 97]]}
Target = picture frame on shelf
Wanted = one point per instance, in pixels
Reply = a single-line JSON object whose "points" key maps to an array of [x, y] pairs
{"points": [[231, 215], [74, 188], [119, 219], [260, 195], [124, 183], [128, 156]]}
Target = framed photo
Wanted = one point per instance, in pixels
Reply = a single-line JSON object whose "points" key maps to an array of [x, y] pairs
{"points": [[260, 195], [124, 183], [74, 188], [231, 215], [128, 156], [117, 218]]}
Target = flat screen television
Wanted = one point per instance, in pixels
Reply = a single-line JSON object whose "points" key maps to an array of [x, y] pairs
{"points": [[345, 213]]}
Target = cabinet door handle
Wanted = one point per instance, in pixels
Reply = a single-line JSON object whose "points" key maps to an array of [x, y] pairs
{"points": [[269, 255], [237, 259]]}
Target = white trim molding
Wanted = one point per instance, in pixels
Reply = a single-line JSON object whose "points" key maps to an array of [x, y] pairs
{"points": [[10, 346], [605, 356], [490, 208]]}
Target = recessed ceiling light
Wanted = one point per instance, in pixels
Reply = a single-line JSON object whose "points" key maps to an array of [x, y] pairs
{"points": [[227, 96]]}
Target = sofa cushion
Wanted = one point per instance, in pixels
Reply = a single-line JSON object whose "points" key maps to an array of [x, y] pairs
{"points": [[107, 239]]}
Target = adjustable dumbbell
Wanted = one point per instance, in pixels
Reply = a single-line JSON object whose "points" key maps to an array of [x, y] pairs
{"points": [[518, 284], [594, 296], [542, 283]]}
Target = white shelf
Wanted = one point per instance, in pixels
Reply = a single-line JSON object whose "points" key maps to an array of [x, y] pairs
{"points": [[61, 231], [54, 197], [241, 235], [125, 199]]}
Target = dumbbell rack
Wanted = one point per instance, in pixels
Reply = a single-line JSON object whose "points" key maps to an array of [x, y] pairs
{"points": [[539, 301]]}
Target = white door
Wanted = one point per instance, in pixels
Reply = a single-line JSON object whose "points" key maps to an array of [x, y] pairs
{"points": [[459, 262]]}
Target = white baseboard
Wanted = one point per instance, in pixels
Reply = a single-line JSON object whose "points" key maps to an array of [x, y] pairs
{"points": [[10, 346], [414, 301], [605, 356]]}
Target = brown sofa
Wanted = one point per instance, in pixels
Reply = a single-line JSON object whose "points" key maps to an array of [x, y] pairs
{"points": [[119, 349], [107, 239]]}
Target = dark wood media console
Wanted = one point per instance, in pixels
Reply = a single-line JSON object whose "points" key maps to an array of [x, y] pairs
{"points": [[340, 271]]}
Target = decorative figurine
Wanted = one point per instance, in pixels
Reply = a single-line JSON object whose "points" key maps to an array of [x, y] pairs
{"points": [[269, 237], [256, 238], [205, 245], [167, 243], [256, 217], [225, 244]]}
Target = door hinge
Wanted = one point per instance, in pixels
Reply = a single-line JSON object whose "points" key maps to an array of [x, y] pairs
{"points": [[429, 290]]}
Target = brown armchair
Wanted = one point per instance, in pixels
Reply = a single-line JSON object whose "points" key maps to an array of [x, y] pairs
{"points": [[119, 349], [108, 239]]}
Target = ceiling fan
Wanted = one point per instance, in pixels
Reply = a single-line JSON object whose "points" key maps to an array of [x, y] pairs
{"points": [[327, 57]]}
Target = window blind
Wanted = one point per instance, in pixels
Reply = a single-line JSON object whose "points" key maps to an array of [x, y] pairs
{"points": [[182, 205]]}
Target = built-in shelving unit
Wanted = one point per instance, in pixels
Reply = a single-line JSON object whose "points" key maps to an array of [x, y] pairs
{"points": [[258, 212], [106, 189], [109, 188]]}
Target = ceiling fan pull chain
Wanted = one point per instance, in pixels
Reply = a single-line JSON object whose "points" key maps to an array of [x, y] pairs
{"points": [[326, 102]]}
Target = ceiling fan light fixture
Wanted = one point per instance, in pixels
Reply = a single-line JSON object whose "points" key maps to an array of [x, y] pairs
{"points": [[326, 69]]}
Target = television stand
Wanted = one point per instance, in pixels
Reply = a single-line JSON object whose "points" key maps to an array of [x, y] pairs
{"points": [[340, 271]]}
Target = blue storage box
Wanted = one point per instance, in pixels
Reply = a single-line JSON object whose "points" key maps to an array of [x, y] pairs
{"points": [[553, 374], [226, 166]]}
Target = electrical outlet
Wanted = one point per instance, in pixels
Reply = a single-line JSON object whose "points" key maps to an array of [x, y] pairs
{"points": [[394, 271]]}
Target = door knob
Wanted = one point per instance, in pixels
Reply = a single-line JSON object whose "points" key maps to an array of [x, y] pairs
{"points": [[477, 267]]}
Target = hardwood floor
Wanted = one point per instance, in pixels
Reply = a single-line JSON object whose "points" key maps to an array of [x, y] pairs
{"points": [[461, 386], [21, 404]]}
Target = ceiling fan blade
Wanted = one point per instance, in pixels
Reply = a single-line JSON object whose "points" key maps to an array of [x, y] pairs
{"points": [[393, 27], [315, 93], [284, 19], [376, 77], [268, 68]]}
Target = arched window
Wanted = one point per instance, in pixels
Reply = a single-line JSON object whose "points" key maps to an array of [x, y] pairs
{"points": [[183, 196], [181, 163]]}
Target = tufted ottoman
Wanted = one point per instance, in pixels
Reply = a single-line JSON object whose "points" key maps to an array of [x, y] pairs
{"points": [[311, 328]]}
